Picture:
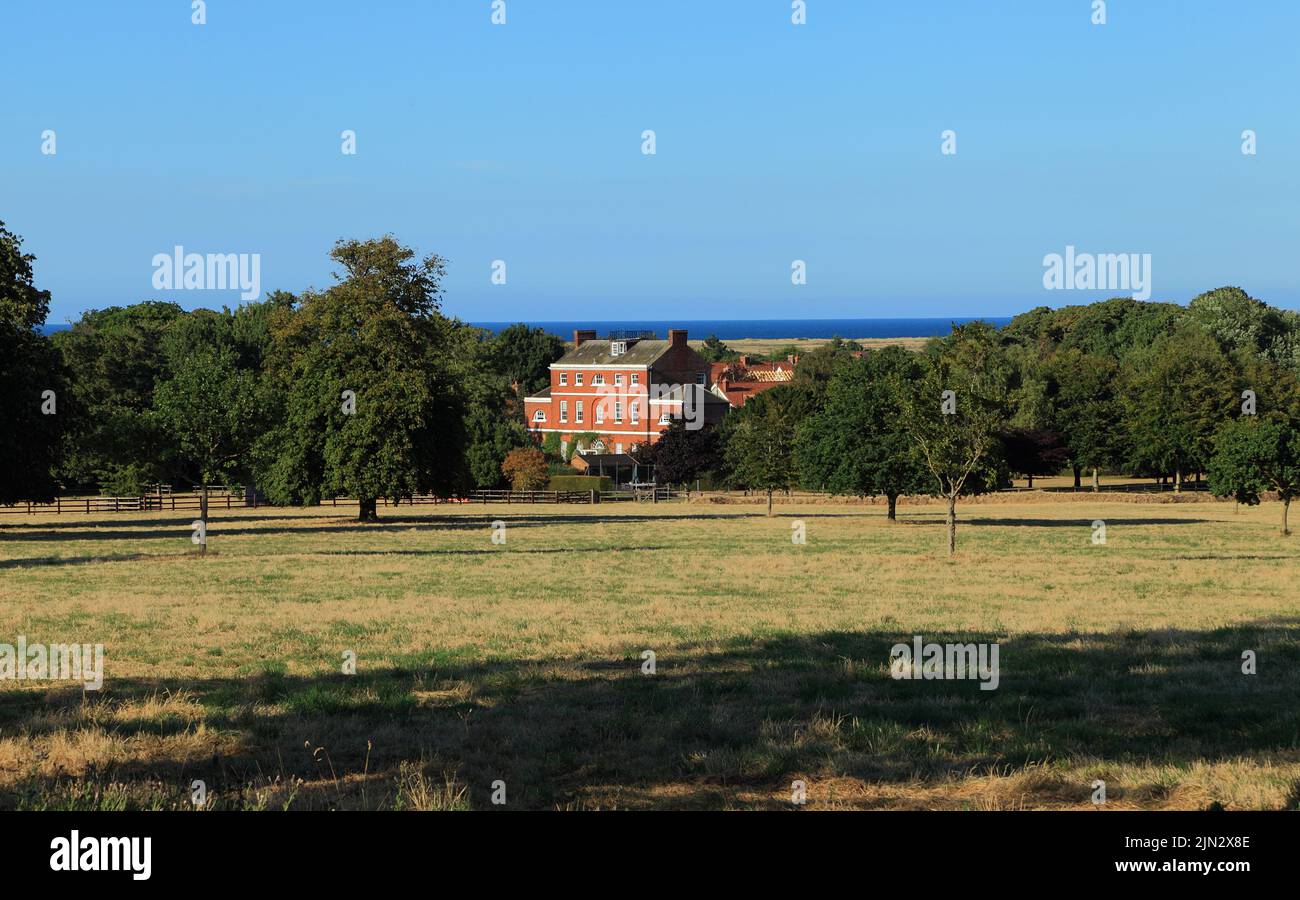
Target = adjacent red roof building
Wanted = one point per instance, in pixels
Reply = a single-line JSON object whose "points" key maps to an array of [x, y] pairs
{"points": [[740, 379]]}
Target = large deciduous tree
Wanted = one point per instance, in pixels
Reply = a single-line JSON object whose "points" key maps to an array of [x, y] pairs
{"points": [[32, 381], [523, 356], [373, 406], [857, 445], [1086, 410], [115, 441], [1176, 394]]}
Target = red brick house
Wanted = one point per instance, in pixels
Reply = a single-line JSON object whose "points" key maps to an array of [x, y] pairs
{"points": [[625, 389], [740, 379]]}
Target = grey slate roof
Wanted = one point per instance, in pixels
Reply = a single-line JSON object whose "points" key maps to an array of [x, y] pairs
{"points": [[596, 353]]}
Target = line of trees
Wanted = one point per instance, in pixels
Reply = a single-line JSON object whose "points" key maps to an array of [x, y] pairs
{"points": [[365, 388], [1147, 389]]}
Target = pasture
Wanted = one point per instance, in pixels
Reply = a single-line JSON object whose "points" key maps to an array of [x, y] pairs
{"points": [[522, 661]]}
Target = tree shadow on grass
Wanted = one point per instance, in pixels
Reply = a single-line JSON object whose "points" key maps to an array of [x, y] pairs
{"points": [[714, 721], [1003, 522], [217, 526]]}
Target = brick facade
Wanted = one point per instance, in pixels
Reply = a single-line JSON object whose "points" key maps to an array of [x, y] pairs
{"points": [[624, 394]]}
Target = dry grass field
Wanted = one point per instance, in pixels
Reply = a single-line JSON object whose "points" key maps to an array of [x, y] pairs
{"points": [[522, 661]]}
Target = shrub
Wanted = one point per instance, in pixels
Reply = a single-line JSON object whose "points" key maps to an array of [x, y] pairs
{"points": [[526, 468]]}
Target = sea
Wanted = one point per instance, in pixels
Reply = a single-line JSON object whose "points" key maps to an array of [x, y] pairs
{"points": [[740, 329]]}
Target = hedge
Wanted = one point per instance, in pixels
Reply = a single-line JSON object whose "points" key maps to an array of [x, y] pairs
{"points": [[581, 483]]}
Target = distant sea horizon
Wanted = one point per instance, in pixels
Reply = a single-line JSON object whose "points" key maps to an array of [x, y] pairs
{"points": [[742, 329]]}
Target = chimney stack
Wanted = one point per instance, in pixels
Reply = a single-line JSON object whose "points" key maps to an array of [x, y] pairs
{"points": [[580, 335], [677, 337]]}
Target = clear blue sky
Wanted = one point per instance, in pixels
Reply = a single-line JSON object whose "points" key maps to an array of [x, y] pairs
{"points": [[522, 142]]}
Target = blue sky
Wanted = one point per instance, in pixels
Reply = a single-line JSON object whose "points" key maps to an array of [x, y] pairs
{"points": [[775, 142]]}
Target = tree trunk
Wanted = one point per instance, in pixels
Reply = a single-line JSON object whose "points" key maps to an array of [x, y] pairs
{"points": [[1031, 482], [369, 510], [1096, 480], [1286, 511], [952, 526], [893, 507], [769, 501], [203, 517], [1178, 480], [1078, 477]]}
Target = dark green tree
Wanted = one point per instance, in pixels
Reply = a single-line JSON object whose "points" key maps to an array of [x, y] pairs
{"points": [[1034, 451], [759, 446], [373, 406], [857, 445], [1253, 454], [32, 381], [114, 439], [211, 407], [523, 356], [1176, 394], [713, 350], [681, 455], [1086, 410]]}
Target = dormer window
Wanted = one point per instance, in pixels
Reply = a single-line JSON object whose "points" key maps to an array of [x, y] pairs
{"points": [[617, 348]]}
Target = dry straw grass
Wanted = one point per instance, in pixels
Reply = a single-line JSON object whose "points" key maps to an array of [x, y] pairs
{"points": [[523, 662]]}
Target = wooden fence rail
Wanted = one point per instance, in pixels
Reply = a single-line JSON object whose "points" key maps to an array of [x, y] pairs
{"points": [[193, 502]]}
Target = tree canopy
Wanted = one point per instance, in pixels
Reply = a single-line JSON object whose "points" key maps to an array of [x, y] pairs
{"points": [[371, 407], [857, 444]]}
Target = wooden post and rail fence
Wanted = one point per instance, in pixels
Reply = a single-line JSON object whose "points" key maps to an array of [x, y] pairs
{"points": [[171, 502]]}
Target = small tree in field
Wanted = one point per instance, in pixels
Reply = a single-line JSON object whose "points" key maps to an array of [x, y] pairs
{"points": [[1254, 455], [954, 413], [760, 448], [526, 469]]}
